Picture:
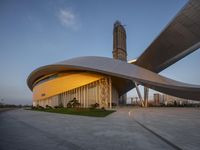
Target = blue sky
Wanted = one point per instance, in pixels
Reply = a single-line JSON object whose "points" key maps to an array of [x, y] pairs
{"points": [[40, 32]]}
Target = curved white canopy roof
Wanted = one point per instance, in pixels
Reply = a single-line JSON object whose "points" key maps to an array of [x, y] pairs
{"points": [[120, 69], [180, 38]]}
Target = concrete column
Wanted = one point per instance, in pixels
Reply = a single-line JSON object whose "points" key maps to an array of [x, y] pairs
{"points": [[87, 96], [139, 94], [96, 93], [79, 93], [110, 89], [84, 94], [146, 95], [75, 90], [99, 97]]}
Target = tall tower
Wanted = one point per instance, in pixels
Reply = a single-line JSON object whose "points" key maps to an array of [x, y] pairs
{"points": [[119, 48], [119, 42]]}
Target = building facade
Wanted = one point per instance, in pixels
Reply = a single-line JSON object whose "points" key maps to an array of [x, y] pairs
{"points": [[88, 88]]}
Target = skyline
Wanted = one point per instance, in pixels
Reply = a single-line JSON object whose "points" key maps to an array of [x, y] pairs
{"points": [[47, 32]]}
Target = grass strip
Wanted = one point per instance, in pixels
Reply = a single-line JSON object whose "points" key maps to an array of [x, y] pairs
{"points": [[79, 111]]}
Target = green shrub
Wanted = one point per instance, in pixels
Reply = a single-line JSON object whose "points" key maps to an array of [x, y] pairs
{"points": [[61, 105], [94, 106], [33, 107], [40, 107], [56, 107], [69, 105], [48, 107], [103, 108]]}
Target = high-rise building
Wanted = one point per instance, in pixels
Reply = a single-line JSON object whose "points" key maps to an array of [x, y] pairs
{"points": [[119, 48], [119, 42]]}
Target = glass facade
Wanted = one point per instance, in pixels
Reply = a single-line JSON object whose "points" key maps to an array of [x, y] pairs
{"points": [[100, 91]]}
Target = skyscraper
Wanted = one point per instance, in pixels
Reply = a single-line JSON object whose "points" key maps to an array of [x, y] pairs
{"points": [[119, 42], [119, 48]]}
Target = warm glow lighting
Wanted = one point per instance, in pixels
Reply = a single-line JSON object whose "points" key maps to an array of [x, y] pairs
{"points": [[63, 83]]}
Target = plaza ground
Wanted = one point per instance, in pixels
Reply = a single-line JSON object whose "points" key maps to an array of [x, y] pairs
{"points": [[128, 128]]}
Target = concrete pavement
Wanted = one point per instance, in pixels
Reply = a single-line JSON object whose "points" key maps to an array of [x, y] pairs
{"points": [[128, 128]]}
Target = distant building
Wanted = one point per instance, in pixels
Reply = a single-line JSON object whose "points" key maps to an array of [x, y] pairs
{"points": [[158, 99], [168, 99], [119, 42]]}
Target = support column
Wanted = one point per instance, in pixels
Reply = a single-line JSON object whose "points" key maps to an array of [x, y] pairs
{"points": [[139, 94], [110, 88], [146, 95], [99, 97], [84, 94], [87, 96], [96, 92]]}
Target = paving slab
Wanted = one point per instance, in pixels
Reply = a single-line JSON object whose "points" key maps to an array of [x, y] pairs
{"points": [[126, 129]]}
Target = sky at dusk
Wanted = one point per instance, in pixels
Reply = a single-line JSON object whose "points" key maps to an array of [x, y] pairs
{"points": [[34, 33]]}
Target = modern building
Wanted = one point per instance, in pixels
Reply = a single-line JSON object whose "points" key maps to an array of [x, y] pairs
{"points": [[58, 88], [119, 42], [104, 80]]}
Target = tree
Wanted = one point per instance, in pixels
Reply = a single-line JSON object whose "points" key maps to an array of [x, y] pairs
{"points": [[73, 103]]}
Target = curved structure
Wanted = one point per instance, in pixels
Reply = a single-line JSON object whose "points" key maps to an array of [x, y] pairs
{"points": [[180, 38], [121, 74]]}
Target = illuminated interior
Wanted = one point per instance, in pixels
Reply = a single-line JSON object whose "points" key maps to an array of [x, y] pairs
{"points": [[88, 88], [62, 83]]}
